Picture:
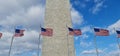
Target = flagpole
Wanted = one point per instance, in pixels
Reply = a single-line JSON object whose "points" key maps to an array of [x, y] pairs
{"points": [[11, 45], [118, 43], [96, 46], [39, 42], [97, 53], [67, 41]]}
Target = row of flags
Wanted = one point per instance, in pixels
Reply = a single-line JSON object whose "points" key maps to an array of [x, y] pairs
{"points": [[49, 31], [76, 32]]}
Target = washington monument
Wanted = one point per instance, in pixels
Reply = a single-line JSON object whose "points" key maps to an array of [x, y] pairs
{"points": [[57, 16]]}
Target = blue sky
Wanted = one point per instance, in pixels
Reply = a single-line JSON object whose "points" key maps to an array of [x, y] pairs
{"points": [[96, 13], [86, 14]]}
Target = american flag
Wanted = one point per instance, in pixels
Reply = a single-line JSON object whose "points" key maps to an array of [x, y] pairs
{"points": [[74, 31], [46, 31], [118, 33], [19, 33], [0, 35], [101, 32]]}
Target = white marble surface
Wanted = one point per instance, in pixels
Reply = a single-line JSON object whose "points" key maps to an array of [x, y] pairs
{"points": [[57, 15]]}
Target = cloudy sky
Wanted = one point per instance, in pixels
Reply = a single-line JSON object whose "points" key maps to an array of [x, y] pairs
{"points": [[26, 14], [86, 14]]}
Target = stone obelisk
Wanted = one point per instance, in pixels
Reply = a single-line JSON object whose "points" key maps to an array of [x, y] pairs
{"points": [[57, 16]]}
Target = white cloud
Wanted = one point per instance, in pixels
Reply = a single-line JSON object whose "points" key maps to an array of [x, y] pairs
{"points": [[32, 18], [91, 51], [113, 53], [85, 44], [77, 18], [21, 44], [85, 36], [7, 7], [99, 4], [28, 13], [114, 26], [80, 4], [86, 29], [102, 52]]}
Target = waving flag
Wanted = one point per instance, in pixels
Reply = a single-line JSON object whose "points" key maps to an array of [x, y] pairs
{"points": [[0, 35], [19, 33], [74, 31], [101, 32], [118, 33], [46, 32]]}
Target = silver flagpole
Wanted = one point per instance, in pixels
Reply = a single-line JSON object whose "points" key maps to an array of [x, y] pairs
{"points": [[11, 45], [96, 46], [67, 41], [117, 42], [39, 42], [118, 45], [97, 53], [39, 45]]}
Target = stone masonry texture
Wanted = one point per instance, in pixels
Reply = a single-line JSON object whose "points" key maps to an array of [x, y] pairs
{"points": [[57, 16]]}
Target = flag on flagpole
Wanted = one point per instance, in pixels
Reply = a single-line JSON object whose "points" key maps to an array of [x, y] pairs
{"points": [[0, 35], [19, 33], [46, 31], [118, 33], [101, 32], [74, 31]]}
